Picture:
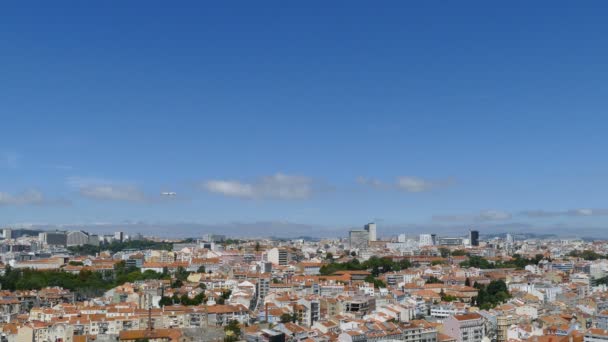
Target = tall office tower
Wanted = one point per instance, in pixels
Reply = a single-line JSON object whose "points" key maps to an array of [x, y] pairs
{"points": [[474, 237], [509, 239], [371, 229], [77, 238], [7, 233], [119, 236], [56, 238], [401, 238], [278, 256], [427, 240]]}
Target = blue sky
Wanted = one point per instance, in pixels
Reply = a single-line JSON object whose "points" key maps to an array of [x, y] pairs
{"points": [[427, 115]]}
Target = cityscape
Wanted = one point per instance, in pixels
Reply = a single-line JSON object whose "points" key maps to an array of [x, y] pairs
{"points": [[77, 286], [303, 171]]}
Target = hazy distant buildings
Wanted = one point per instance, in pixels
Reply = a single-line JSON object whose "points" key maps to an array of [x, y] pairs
{"points": [[371, 229], [71, 238], [77, 238], [427, 240], [358, 239], [213, 238], [53, 238], [94, 240], [119, 236], [7, 233], [449, 241]]}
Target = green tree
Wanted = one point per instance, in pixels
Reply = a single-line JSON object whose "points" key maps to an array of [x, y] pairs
{"points": [[446, 297], [233, 331], [181, 273], [286, 318], [434, 280], [492, 295], [477, 262], [377, 282]]}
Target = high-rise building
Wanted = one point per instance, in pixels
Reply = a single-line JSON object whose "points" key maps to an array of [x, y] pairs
{"points": [[509, 239], [427, 240], [371, 229], [474, 237], [503, 322], [119, 236], [278, 256], [55, 238], [93, 240], [77, 238], [401, 238], [7, 233]]}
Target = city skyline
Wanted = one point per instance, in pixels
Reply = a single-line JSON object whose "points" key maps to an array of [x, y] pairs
{"points": [[177, 119]]}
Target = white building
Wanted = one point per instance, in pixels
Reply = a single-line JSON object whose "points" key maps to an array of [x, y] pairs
{"points": [[465, 328], [277, 256], [77, 238], [371, 229], [427, 240]]}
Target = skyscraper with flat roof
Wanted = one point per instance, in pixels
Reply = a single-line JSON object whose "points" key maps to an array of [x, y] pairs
{"points": [[474, 237], [371, 229], [427, 240]]}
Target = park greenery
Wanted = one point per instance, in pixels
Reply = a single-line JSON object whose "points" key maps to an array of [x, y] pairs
{"points": [[377, 282], [517, 262], [118, 246], [491, 295], [85, 281], [183, 300], [375, 265], [587, 255], [434, 280]]}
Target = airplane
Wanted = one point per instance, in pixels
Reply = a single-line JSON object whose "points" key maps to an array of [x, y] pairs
{"points": [[168, 193]]}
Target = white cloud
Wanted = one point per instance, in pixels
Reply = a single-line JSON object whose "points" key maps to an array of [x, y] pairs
{"points": [[9, 159], [413, 184], [278, 186], [405, 183], [106, 190], [494, 215], [28, 197], [24, 198], [374, 183], [570, 212], [482, 216]]}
